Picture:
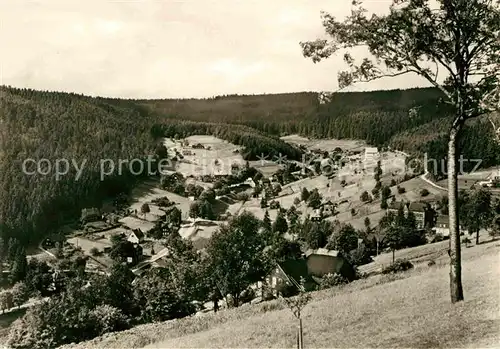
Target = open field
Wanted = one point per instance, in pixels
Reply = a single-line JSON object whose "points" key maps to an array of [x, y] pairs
{"points": [[198, 162], [325, 144], [468, 180], [359, 177], [411, 309], [148, 191]]}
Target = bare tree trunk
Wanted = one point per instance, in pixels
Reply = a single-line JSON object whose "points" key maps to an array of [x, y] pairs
{"points": [[393, 255], [301, 338], [455, 258], [477, 237]]}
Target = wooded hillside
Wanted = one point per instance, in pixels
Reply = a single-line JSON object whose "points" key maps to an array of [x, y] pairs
{"points": [[52, 126]]}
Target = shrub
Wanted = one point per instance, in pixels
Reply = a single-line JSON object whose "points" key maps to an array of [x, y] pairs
{"points": [[401, 190], [384, 205], [360, 256], [247, 296], [437, 238], [398, 266], [424, 192], [267, 295], [274, 205], [162, 201], [495, 232], [431, 263], [365, 197], [466, 241], [242, 196], [332, 280], [94, 251], [271, 306], [296, 201], [108, 319], [393, 182], [288, 291]]}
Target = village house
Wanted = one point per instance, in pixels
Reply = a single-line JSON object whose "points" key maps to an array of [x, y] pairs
{"points": [[136, 236], [285, 279], [424, 215], [371, 154], [134, 255], [316, 216], [90, 215], [328, 208], [442, 226], [322, 261]]}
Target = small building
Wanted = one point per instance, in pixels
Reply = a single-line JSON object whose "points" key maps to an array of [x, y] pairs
{"points": [[328, 208], [136, 236], [249, 181], [321, 262], [442, 226], [316, 216], [371, 154], [135, 255], [423, 212], [495, 175], [285, 278], [90, 215]]}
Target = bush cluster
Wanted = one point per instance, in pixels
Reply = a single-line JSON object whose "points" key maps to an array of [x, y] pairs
{"points": [[332, 280], [398, 266]]}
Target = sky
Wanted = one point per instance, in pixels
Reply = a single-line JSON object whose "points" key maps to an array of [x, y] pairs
{"points": [[171, 48]]}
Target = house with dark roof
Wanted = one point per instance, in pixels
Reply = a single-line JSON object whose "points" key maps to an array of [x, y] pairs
{"points": [[442, 226], [423, 212], [285, 278]]}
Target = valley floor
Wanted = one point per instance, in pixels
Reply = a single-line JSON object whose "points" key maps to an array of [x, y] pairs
{"points": [[412, 309]]}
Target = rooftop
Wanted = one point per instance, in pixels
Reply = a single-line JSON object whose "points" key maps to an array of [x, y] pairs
{"points": [[296, 269], [412, 206], [323, 252]]}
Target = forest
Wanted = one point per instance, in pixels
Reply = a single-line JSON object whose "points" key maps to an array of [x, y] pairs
{"points": [[53, 125]]}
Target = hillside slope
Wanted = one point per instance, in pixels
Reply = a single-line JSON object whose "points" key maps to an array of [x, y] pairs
{"points": [[47, 126], [372, 116], [89, 133], [408, 310]]}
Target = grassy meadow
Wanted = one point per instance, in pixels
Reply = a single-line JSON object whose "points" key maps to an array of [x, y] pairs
{"points": [[411, 309]]}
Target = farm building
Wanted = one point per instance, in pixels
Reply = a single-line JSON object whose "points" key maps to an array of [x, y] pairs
{"points": [[371, 154], [443, 226], [90, 215], [285, 278], [321, 262], [424, 215], [136, 236]]}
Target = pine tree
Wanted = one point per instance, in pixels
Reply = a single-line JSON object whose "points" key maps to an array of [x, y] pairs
{"points": [[19, 266], [266, 223], [280, 225]]}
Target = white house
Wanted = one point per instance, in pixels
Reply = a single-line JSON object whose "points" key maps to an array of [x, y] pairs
{"points": [[250, 182], [494, 176], [443, 226], [371, 154]]}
